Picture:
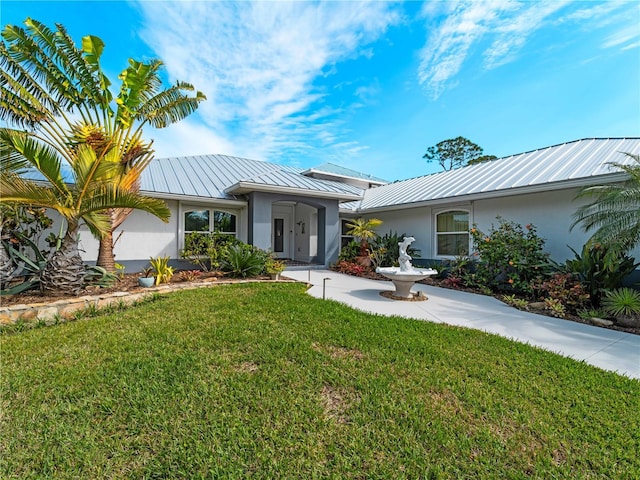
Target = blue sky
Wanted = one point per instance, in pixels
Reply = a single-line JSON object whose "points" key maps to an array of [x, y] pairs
{"points": [[370, 86]]}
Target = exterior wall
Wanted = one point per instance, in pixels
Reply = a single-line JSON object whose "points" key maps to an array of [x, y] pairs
{"points": [[142, 235], [328, 231], [551, 213], [305, 243], [414, 222]]}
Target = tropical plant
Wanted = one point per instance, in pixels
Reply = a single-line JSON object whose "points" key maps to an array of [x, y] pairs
{"points": [[510, 258], [147, 272], [205, 249], [349, 252], [567, 290], [386, 249], [243, 260], [163, 271], [364, 230], [613, 215], [273, 266], [21, 254], [99, 277], [189, 275], [81, 195], [62, 95], [622, 301], [599, 268]]}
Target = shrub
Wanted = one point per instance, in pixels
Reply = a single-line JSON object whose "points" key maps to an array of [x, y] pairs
{"points": [[205, 249], [349, 252], [243, 260], [509, 257], [600, 269], [350, 268], [567, 290], [622, 301], [189, 275]]}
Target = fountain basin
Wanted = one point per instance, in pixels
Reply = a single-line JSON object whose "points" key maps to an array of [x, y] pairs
{"points": [[403, 280]]}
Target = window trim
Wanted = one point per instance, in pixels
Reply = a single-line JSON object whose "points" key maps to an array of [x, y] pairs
{"points": [[436, 233], [186, 208]]}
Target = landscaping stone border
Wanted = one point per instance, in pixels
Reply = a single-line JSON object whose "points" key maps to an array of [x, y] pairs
{"points": [[67, 308]]}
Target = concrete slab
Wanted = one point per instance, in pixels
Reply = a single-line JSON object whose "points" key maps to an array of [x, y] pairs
{"points": [[607, 349]]}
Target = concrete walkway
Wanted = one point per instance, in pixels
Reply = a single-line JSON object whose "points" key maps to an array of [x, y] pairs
{"points": [[601, 347]]}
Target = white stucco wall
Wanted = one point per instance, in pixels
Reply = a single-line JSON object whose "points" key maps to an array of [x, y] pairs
{"points": [[143, 236], [550, 212]]}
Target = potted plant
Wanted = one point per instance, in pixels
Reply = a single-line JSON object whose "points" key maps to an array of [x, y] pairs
{"points": [[274, 268], [147, 279], [363, 229]]}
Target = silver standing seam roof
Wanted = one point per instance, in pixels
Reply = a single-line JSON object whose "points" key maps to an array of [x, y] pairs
{"points": [[225, 177], [576, 163]]}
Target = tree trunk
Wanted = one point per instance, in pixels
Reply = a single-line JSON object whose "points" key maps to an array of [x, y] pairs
{"points": [[106, 258], [65, 270]]}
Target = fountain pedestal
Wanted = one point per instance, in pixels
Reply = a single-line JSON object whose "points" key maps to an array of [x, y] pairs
{"points": [[404, 281], [405, 276]]}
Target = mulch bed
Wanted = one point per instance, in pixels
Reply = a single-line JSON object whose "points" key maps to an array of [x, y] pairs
{"points": [[127, 283]]}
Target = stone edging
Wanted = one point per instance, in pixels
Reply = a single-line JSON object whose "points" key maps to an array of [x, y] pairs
{"points": [[67, 308]]}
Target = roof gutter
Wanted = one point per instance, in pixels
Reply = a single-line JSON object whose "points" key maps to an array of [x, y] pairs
{"points": [[247, 187]]}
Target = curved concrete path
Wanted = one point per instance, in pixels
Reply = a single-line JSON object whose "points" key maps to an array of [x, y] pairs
{"points": [[601, 347]]}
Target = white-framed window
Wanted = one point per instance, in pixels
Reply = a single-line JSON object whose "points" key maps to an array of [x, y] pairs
{"points": [[209, 220], [452, 233]]}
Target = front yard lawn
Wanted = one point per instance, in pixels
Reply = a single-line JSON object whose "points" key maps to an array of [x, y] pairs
{"points": [[263, 381]]}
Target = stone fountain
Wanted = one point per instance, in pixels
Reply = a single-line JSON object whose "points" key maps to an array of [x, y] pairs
{"points": [[405, 276]]}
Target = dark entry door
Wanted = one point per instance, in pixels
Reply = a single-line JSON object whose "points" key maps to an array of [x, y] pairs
{"points": [[278, 235]]}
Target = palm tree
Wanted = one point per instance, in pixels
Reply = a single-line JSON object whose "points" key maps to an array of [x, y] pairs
{"points": [[61, 94], [614, 213], [363, 229], [84, 196]]}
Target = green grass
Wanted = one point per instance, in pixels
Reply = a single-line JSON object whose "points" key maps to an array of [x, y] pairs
{"points": [[263, 381]]}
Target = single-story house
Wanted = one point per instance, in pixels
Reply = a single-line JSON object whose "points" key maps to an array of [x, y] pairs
{"points": [[300, 214]]}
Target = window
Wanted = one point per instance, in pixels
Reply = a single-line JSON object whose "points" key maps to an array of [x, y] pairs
{"points": [[345, 238], [210, 221], [452, 233]]}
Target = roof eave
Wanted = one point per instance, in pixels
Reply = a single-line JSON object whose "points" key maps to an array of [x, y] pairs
{"points": [[566, 184], [248, 187], [194, 198]]}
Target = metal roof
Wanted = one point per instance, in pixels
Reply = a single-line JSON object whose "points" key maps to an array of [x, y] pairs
{"points": [[337, 170], [223, 177], [561, 166]]}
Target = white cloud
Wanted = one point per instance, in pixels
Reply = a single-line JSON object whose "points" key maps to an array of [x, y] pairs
{"points": [[625, 38], [499, 30], [258, 63]]}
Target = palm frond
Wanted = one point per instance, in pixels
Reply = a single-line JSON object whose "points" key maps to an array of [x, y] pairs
{"points": [[34, 154], [35, 51], [109, 197], [613, 212], [17, 189], [170, 106]]}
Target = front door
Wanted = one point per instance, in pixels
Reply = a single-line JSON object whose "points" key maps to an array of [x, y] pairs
{"points": [[281, 232]]}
